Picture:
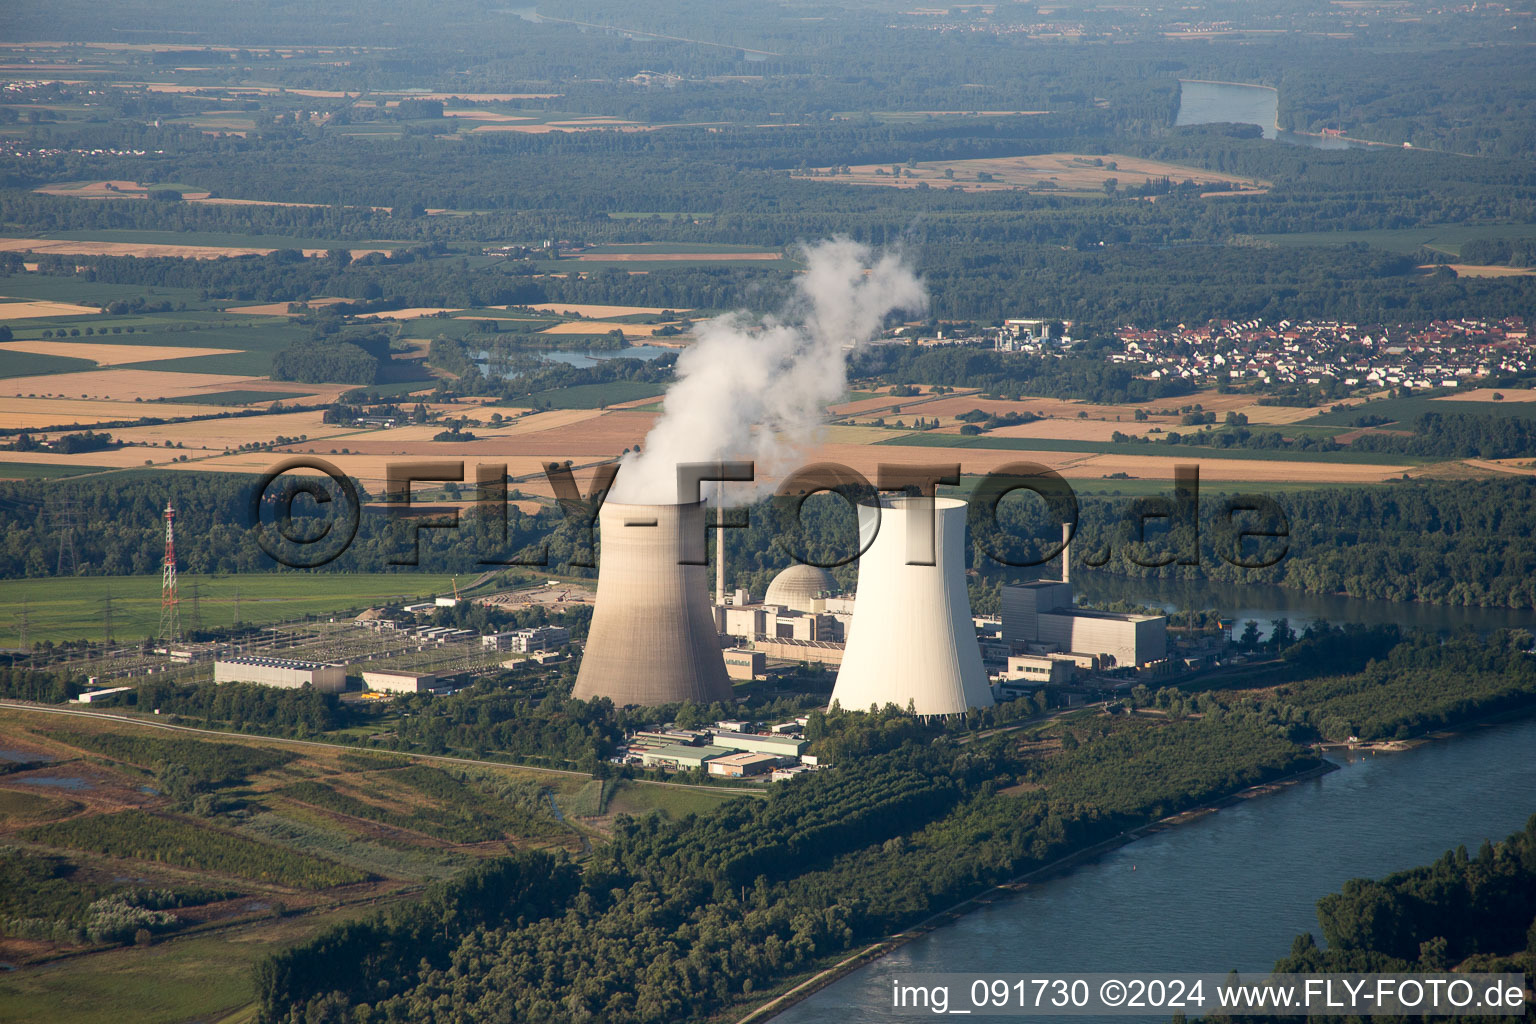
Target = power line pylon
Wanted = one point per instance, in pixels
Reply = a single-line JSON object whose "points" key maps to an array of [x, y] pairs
{"points": [[106, 615], [170, 613], [65, 515]]}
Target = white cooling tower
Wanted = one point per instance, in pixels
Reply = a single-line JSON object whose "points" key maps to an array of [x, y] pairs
{"points": [[653, 638], [911, 641]]}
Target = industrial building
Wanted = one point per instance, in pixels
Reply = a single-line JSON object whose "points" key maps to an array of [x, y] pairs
{"points": [[740, 664], [778, 745], [653, 638], [739, 766], [1040, 618], [281, 672], [1042, 669], [912, 642], [101, 696], [399, 682], [681, 757], [528, 641], [801, 588]]}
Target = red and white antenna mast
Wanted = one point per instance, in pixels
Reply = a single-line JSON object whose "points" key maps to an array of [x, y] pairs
{"points": [[170, 615]]}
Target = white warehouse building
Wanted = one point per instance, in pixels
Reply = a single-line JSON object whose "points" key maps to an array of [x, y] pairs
{"points": [[281, 672]]}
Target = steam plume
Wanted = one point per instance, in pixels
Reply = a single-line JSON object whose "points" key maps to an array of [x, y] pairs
{"points": [[757, 388]]}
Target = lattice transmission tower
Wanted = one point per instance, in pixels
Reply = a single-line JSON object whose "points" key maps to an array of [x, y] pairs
{"points": [[170, 613], [65, 514]]}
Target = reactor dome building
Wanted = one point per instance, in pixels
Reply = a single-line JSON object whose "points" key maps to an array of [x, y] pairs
{"points": [[652, 639], [799, 587], [912, 642]]}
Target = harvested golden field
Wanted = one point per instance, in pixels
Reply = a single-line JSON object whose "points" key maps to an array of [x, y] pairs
{"points": [[216, 435], [1069, 172], [675, 257], [545, 129], [27, 413], [1075, 466], [1522, 467], [550, 420], [602, 327], [868, 406], [592, 434], [1480, 270], [225, 201], [855, 435], [1486, 395], [414, 312], [110, 355], [125, 385], [72, 247], [115, 458], [599, 312], [281, 308], [25, 309], [114, 189], [371, 470], [485, 115], [466, 97]]}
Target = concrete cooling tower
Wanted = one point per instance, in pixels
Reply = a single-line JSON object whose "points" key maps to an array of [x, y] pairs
{"points": [[911, 639], [653, 638]]}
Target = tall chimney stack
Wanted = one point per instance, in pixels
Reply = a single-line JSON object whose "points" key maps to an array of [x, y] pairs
{"points": [[720, 558]]}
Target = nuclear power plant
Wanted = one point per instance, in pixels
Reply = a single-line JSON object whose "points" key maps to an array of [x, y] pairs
{"points": [[652, 639], [912, 642]]}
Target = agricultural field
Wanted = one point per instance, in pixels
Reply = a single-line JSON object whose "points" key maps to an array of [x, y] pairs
{"points": [[111, 355], [1055, 172], [1445, 238], [32, 413], [1088, 465], [32, 309], [73, 608], [596, 396], [239, 864], [27, 366], [87, 247], [1406, 409], [600, 312], [45, 471]]}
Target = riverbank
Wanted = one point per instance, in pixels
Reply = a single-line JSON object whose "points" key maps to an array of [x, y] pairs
{"points": [[1013, 886]]}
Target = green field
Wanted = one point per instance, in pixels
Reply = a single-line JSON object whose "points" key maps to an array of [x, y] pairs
{"points": [[91, 293], [239, 397], [71, 608], [1446, 238], [636, 799], [28, 364], [195, 977], [1159, 448], [594, 396], [39, 471], [1404, 410]]}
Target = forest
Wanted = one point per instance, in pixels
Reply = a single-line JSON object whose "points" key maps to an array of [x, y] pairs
{"points": [[1445, 542], [658, 929]]}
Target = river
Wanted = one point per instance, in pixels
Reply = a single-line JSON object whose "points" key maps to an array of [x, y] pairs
{"points": [[1236, 103], [1240, 603], [1229, 890], [582, 359]]}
